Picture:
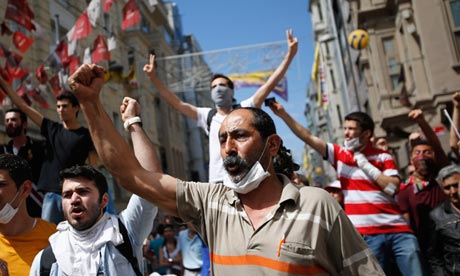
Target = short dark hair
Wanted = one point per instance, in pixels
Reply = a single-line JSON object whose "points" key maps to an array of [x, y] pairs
{"points": [[262, 122], [364, 120], [86, 172], [18, 168], [67, 95], [216, 76], [22, 115], [419, 142]]}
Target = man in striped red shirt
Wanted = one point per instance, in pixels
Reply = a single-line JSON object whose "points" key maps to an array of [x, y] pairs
{"points": [[369, 180]]}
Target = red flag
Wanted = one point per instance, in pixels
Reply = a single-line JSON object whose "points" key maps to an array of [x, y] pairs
{"points": [[74, 64], [16, 72], [55, 85], [107, 5], [11, 57], [38, 98], [21, 41], [100, 51], [5, 30], [22, 93], [40, 74], [5, 75], [131, 15], [61, 52], [20, 12], [82, 27]]}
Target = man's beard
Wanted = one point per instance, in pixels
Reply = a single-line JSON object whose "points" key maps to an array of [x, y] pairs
{"points": [[242, 167], [14, 131]]}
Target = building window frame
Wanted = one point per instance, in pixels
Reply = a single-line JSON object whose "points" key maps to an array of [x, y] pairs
{"points": [[452, 6], [392, 62]]}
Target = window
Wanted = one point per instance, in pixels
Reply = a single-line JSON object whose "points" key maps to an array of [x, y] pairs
{"points": [[453, 11], [392, 61]]}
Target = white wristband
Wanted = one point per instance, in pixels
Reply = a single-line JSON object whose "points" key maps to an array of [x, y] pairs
{"points": [[390, 189], [131, 121]]}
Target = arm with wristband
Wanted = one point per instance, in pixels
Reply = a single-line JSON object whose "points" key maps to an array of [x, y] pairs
{"points": [[389, 184]]}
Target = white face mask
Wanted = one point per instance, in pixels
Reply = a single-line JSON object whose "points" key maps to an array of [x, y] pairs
{"points": [[352, 144], [222, 96], [8, 212], [250, 181]]}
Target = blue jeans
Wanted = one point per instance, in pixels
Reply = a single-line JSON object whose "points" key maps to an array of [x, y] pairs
{"points": [[402, 246], [52, 208]]}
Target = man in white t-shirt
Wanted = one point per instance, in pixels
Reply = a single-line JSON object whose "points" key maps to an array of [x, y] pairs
{"points": [[222, 95]]}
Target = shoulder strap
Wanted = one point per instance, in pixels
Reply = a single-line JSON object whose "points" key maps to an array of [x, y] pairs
{"points": [[127, 250], [211, 114], [46, 261]]}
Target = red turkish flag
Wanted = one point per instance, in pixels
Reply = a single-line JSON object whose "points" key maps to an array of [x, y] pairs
{"points": [[61, 52], [131, 15], [16, 72], [22, 93], [107, 5], [55, 85], [20, 12], [100, 51], [74, 64], [41, 74], [82, 27], [21, 41], [38, 98]]}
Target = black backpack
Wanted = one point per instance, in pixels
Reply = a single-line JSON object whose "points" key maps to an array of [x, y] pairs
{"points": [[125, 249]]}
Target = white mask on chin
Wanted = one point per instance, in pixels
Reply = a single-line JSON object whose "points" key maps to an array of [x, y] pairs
{"points": [[352, 144], [251, 180], [8, 212]]}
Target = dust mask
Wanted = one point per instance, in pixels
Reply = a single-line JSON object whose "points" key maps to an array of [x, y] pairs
{"points": [[8, 212]]}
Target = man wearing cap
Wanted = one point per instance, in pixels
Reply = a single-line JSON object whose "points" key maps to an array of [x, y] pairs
{"points": [[335, 190], [444, 249]]}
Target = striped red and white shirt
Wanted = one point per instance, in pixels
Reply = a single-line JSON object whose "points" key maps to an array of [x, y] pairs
{"points": [[370, 209]]}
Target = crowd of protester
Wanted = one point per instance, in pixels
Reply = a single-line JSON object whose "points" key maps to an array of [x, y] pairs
{"points": [[57, 218]]}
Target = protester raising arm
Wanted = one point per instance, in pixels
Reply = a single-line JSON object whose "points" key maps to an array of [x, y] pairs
{"points": [[279, 73], [117, 156]]}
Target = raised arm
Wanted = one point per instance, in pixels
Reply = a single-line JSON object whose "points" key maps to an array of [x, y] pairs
{"points": [[453, 139], [304, 134], [143, 147], [171, 98], [114, 152], [31, 112], [279, 73], [431, 137]]}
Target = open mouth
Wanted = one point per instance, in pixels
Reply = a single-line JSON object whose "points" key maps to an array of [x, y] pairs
{"points": [[76, 212]]}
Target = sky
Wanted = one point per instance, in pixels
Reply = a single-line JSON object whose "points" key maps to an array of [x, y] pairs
{"points": [[218, 24]]}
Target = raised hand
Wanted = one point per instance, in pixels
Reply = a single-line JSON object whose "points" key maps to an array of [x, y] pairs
{"points": [[129, 108], [87, 81], [456, 99], [277, 108], [150, 68], [292, 42], [416, 115]]}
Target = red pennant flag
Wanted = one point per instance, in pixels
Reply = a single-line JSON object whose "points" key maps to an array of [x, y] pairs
{"points": [[22, 93], [100, 51], [41, 74], [131, 15], [20, 12], [21, 41], [5, 30], [55, 85], [61, 52], [74, 64], [107, 5], [38, 98], [16, 72], [82, 27]]}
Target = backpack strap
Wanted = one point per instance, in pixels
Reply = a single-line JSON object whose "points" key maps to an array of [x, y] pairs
{"points": [[211, 114], [47, 260], [125, 248]]}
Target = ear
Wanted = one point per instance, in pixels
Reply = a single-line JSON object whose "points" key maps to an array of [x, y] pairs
{"points": [[26, 188], [105, 200], [273, 144], [368, 135]]}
